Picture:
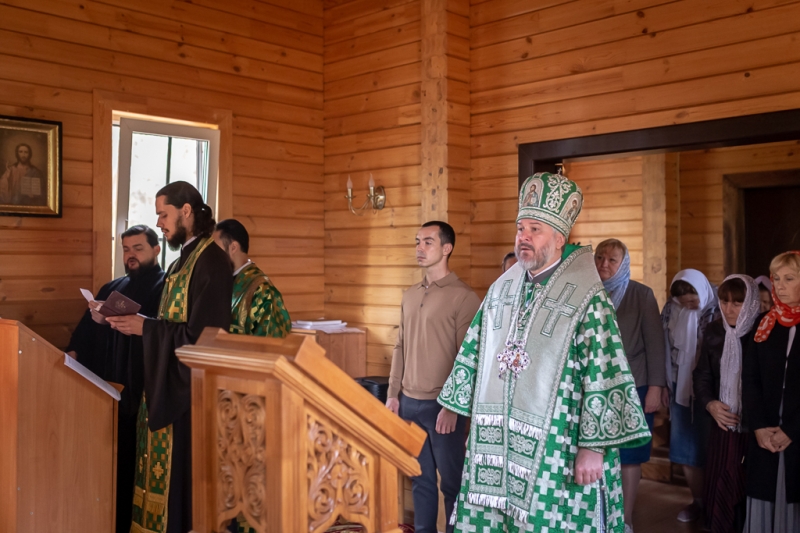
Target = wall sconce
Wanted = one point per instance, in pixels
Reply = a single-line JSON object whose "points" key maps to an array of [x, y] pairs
{"points": [[376, 197]]}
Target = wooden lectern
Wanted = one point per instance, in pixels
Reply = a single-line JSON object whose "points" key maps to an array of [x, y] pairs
{"points": [[284, 437], [58, 441]]}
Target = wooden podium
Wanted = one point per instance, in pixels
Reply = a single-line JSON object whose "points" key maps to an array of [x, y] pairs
{"points": [[57, 441], [284, 437]]}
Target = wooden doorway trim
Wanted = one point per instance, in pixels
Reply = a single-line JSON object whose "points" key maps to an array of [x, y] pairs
{"points": [[733, 187], [105, 104], [734, 131]]}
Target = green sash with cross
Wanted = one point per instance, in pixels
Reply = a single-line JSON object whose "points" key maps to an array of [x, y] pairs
{"points": [[514, 413], [154, 448]]}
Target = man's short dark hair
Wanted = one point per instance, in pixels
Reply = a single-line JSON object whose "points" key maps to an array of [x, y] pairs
{"points": [[139, 229], [447, 234], [509, 255], [232, 230]]}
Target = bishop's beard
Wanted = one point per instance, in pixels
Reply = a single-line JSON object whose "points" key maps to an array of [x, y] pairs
{"points": [[541, 257]]}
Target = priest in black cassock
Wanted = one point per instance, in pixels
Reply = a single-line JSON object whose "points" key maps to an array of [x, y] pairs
{"points": [[196, 295], [118, 358]]}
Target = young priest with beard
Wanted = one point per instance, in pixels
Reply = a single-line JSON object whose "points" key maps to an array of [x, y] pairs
{"points": [[118, 358], [196, 295]]}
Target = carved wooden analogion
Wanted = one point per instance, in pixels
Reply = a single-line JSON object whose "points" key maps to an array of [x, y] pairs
{"points": [[241, 446], [286, 440], [339, 479]]}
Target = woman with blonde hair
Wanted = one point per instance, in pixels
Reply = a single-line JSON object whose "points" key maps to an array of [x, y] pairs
{"points": [[643, 340], [771, 400]]}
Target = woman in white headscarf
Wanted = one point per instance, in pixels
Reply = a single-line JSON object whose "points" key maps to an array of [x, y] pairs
{"points": [[718, 388], [685, 316]]}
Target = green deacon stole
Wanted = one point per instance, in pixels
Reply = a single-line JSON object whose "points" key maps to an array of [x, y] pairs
{"points": [[154, 448], [513, 412]]}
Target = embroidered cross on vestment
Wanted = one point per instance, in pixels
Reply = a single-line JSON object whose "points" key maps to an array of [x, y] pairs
{"points": [[558, 308], [501, 302]]}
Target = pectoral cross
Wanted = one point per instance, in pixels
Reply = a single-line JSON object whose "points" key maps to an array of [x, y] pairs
{"points": [[558, 308], [505, 299]]}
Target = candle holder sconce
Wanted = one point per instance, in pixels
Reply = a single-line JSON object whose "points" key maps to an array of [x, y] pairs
{"points": [[376, 197]]}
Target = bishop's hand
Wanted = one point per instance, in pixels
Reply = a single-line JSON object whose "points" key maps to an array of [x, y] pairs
{"points": [[588, 466], [446, 421]]}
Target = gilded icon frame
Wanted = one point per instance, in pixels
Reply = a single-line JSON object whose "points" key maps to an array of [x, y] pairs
{"points": [[33, 186]]}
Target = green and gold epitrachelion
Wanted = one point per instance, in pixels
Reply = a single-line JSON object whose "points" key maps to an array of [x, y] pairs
{"points": [[154, 448]]}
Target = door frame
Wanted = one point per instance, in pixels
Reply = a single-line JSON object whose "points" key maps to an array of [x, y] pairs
{"points": [[733, 187], [735, 131]]}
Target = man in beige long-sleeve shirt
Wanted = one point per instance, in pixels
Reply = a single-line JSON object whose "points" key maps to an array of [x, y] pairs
{"points": [[435, 315]]}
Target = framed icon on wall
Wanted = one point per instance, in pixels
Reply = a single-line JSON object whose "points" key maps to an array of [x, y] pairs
{"points": [[30, 167]]}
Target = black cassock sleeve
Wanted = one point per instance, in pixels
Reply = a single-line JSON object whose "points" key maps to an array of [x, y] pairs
{"points": [[167, 382], [90, 339]]}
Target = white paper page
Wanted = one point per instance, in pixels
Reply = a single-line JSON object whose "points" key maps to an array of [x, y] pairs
{"points": [[91, 376], [313, 323], [88, 295]]}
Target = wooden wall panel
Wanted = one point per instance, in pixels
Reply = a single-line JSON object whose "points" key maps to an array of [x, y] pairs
{"points": [[372, 125], [701, 204], [397, 107], [553, 69], [612, 205], [263, 61]]}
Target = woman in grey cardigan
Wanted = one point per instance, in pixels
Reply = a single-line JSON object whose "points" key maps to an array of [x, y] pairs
{"points": [[643, 339]]}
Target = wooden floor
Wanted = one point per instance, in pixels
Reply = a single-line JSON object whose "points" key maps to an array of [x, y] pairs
{"points": [[657, 507]]}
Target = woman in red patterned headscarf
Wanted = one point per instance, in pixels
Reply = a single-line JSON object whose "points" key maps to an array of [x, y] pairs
{"points": [[771, 401]]}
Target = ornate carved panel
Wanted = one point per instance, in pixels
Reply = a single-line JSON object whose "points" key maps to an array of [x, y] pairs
{"points": [[241, 450], [339, 478]]}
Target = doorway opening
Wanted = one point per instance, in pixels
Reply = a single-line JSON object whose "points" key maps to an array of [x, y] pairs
{"points": [[759, 211]]}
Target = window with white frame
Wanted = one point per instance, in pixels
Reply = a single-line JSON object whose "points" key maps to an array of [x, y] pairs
{"points": [[148, 155]]}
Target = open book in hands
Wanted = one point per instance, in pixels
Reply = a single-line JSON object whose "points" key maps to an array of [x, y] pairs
{"points": [[115, 305]]}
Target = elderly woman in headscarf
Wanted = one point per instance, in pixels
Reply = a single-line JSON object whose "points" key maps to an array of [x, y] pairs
{"points": [[643, 340], [771, 400], [685, 316], [717, 388]]}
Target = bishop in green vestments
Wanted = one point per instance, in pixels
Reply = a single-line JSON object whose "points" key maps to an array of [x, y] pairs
{"points": [[543, 374], [256, 307], [196, 295]]}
